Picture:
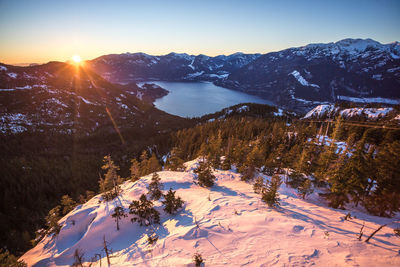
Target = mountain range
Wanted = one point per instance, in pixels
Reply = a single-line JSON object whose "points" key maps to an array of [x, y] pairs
{"points": [[295, 78]]}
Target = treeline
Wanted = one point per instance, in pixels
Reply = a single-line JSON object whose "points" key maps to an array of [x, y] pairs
{"points": [[37, 169], [352, 165]]}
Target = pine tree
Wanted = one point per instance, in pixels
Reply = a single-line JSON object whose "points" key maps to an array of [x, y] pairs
{"points": [[118, 214], [258, 185], [144, 211], [384, 199], [9, 260], [357, 171], [153, 165], [144, 163], [205, 178], [52, 218], [111, 179], [135, 170], [172, 203], [155, 187], [296, 179], [305, 188], [248, 173], [198, 259], [226, 164], [270, 195], [337, 178], [175, 162], [67, 204]]}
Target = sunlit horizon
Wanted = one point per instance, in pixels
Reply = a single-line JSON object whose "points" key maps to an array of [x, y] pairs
{"points": [[43, 30]]}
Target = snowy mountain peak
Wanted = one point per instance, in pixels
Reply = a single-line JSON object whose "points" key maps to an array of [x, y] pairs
{"points": [[358, 45]]}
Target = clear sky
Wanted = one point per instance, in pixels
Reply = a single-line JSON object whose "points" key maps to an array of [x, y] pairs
{"points": [[44, 30]]}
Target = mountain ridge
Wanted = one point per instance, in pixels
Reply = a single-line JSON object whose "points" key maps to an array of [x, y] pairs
{"points": [[297, 78]]}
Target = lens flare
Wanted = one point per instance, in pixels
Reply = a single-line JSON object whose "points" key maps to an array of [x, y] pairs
{"points": [[76, 58]]}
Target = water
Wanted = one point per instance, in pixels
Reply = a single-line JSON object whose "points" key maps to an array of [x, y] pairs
{"points": [[194, 99]]}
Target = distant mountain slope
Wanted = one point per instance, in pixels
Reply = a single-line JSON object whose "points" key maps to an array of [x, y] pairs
{"points": [[295, 78], [72, 99], [301, 77], [172, 67], [227, 224], [57, 121], [387, 115]]}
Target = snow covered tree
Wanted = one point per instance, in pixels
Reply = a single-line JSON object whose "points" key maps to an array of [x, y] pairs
{"points": [[270, 195], [144, 212], [205, 178], [155, 187], [135, 170], [172, 203], [118, 214]]}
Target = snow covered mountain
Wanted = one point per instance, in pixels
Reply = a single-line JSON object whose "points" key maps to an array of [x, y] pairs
{"points": [[227, 224], [353, 70], [129, 67], [72, 99], [330, 111]]}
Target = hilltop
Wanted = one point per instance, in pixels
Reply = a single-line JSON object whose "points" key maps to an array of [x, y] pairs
{"points": [[227, 224]]}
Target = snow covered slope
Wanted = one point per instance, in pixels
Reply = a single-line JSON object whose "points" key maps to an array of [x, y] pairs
{"points": [[228, 225], [330, 111]]}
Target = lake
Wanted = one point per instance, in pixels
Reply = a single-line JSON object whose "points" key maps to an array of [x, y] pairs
{"points": [[194, 99]]}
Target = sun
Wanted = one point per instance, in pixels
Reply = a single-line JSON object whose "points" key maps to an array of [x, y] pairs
{"points": [[76, 59]]}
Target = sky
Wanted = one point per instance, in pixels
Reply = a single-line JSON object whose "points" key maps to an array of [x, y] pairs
{"points": [[38, 31]]}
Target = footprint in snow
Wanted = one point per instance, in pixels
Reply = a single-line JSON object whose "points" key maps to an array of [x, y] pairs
{"points": [[297, 228]]}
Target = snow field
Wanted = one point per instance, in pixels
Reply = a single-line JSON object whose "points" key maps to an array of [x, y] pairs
{"points": [[227, 224]]}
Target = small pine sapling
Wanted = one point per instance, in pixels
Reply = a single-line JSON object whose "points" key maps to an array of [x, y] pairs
{"points": [[172, 203], [396, 232], [270, 195], [155, 187], [197, 259], [118, 214], [326, 233], [144, 211], [152, 238], [205, 178]]}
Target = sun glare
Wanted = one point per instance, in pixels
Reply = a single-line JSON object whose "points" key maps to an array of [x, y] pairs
{"points": [[76, 58]]}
